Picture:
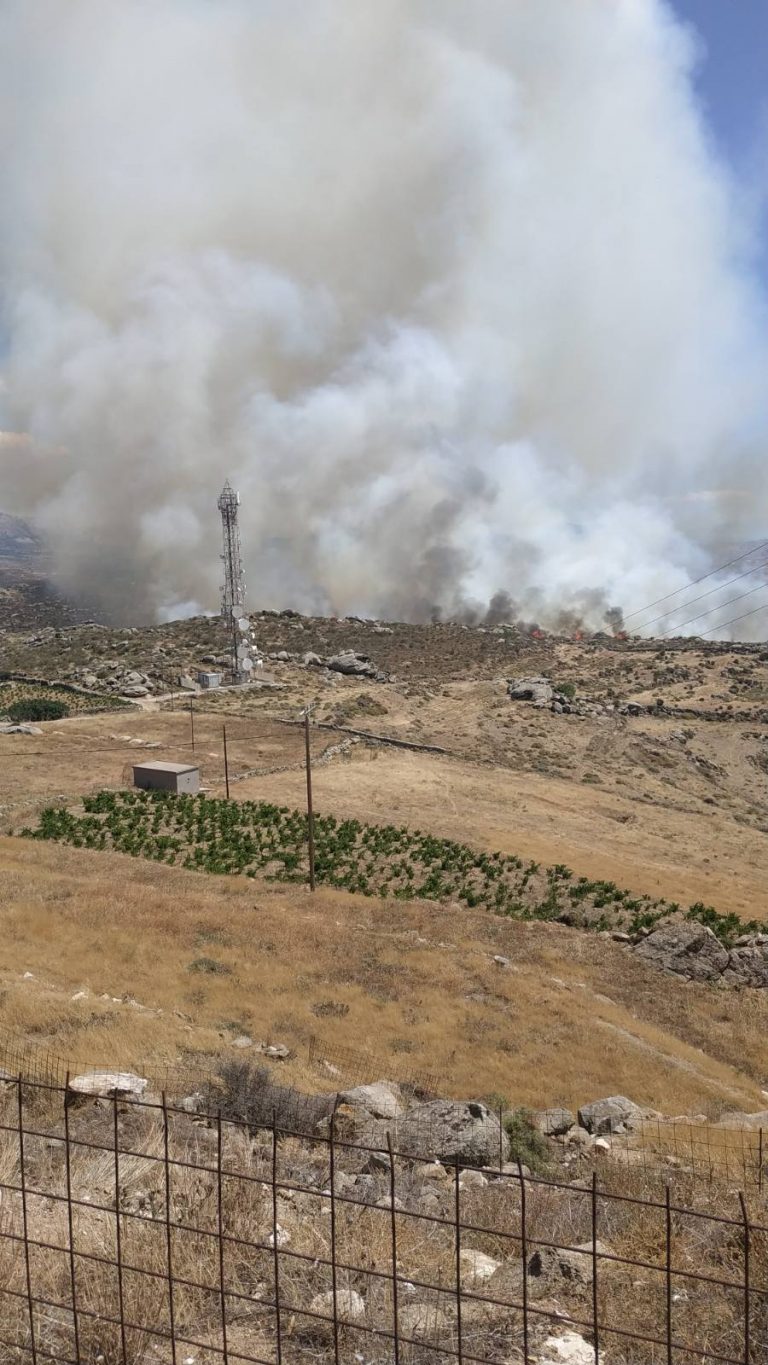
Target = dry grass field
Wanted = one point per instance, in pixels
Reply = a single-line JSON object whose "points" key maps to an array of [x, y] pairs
{"points": [[410, 989]]}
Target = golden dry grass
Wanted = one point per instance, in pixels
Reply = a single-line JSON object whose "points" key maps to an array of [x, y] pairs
{"points": [[412, 988]]}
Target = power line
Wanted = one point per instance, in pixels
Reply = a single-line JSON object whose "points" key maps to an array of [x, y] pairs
{"points": [[720, 588], [720, 606], [724, 624], [755, 550]]}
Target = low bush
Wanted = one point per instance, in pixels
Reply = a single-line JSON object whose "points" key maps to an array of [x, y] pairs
{"points": [[526, 1142], [37, 708], [247, 1094]]}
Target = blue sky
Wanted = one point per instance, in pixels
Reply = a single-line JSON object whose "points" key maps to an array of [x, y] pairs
{"points": [[733, 86]]}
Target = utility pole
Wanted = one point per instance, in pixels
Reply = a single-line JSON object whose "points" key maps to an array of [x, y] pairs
{"points": [[310, 810], [226, 763], [192, 721]]}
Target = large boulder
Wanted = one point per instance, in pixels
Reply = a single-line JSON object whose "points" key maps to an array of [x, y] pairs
{"points": [[381, 1100], [107, 1085], [554, 1122], [531, 689], [453, 1131], [613, 1115], [685, 948], [353, 665]]}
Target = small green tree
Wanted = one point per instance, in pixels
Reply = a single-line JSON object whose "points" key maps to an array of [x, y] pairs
{"points": [[37, 708]]}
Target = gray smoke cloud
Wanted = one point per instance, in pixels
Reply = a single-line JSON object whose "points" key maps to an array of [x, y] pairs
{"points": [[457, 295]]}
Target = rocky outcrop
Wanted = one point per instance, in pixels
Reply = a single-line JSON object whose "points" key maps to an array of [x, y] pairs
{"points": [[354, 665], [690, 949], [686, 948], [613, 1115], [452, 1131], [535, 689]]}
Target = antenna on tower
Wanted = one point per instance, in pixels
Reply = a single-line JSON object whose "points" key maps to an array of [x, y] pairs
{"points": [[233, 604]]}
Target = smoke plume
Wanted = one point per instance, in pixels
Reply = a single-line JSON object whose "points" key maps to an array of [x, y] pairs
{"points": [[457, 295]]}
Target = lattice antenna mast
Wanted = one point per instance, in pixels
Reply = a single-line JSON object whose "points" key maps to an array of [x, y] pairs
{"points": [[233, 600]]}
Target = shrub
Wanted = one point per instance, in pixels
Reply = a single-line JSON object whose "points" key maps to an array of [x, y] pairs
{"points": [[210, 966], [247, 1094], [525, 1141], [37, 708]]}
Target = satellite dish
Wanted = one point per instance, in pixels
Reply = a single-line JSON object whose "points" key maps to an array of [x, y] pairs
{"points": [[243, 652], [247, 665], [244, 625]]}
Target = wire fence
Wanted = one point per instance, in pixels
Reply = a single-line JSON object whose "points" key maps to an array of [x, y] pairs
{"points": [[131, 1232]]}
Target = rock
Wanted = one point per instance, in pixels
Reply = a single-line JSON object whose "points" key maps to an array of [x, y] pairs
{"points": [[569, 1349], [137, 690], [108, 1085], [685, 948], [381, 1100], [20, 730], [501, 961], [745, 1121], [277, 1051], [579, 1137], [611, 1115], [350, 1305], [311, 660], [353, 665], [550, 1272], [554, 1122], [242, 1041], [472, 1180], [422, 1320], [747, 966], [453, 1131], [186, 683], [531, 689], [193, 1104], [476, 1266]]}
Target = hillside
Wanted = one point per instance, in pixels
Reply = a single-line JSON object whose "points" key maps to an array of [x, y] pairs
{"points": [[405, 990], [652, 774]]}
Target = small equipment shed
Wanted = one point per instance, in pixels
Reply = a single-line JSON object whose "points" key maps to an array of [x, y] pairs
{"points": [[181, 778]]}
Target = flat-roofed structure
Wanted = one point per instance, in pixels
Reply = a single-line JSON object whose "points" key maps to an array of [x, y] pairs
{"points": [[181, 778]]}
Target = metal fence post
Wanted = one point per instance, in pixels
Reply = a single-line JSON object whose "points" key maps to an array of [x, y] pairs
{"points": [[747, 1281], [25, 1225], [334, 1282], [760, 1161], [276, 1248], [595, 1298], [393, 1221], [71, 1221], [457, 1238], [168, 1231], [220, 1230], [524, 1250], [668, 1270], [118, 1234]]}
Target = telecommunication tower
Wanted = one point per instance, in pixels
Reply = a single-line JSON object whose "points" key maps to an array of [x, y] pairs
{"points": [[233, 604]]}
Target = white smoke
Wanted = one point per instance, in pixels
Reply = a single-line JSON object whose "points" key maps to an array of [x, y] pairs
{"points": [[457, 295]]}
